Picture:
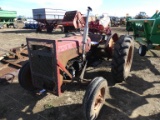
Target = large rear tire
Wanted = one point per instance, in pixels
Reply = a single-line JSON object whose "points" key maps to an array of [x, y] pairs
{"points": [[122, 58], [94, 98], [24, 77]]}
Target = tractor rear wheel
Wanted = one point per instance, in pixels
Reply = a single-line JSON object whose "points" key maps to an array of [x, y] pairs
{"points": [[142, 50], [24, 77], [94, 98], [122, 58]]}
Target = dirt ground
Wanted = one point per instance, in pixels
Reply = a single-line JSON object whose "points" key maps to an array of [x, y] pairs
{"points": [[138, 98]]}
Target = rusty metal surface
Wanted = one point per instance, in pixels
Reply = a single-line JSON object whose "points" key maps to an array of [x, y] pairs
{"points": [[71, 47], [43, 63], [15, 61], [8, 74], [45, 55], [11, 62], [73, 18], [14, 53]]}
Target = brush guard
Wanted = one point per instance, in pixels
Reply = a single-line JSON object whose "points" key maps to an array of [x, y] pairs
{"points": [[43, 64]]}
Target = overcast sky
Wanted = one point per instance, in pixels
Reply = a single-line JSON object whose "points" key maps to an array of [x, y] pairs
{"points": [[112, 7]]}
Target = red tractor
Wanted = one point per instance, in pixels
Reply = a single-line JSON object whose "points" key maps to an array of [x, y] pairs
{"points": [[54, 62], [75, 21], [100, 25]]}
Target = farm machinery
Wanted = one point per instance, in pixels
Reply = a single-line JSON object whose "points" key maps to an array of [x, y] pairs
{"points": [[70, 21], [7, 18], [146, 32], [141, 15], [48, 19], [12, 60], [100, 25], [115, 21], [54, 62], [75, 21], [128, 24]]}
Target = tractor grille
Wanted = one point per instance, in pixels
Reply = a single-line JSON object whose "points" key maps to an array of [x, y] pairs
{"points": [[42, 56], [41, 63]]}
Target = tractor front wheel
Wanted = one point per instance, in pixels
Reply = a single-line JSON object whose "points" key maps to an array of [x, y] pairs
{"points": [[95, 97], [142, 50], [122, 58], [24, 77]]}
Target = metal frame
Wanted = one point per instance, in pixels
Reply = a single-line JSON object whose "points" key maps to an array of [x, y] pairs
{"points": [[57, 89], [146, 31]]}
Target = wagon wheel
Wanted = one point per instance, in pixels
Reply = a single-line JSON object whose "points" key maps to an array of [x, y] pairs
{"points": [[49, 29], [24, 77], [122, 58], [94, 98]]}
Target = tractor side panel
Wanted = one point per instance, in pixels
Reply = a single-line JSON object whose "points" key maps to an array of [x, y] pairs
{"points": [[155, 32]]}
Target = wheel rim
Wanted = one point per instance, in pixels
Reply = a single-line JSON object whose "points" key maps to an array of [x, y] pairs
{"points": [[111, 43], [129, 57], [129, 60], [99, 101], [140, 50]]}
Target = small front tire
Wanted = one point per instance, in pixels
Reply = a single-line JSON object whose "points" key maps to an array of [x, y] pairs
{"points": [[94, 98], [142, 50], [24, 77]]}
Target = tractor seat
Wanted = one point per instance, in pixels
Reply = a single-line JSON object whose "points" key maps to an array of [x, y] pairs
{"points": [[95, 38]]}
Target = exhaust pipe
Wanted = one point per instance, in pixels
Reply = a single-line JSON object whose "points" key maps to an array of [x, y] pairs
{"points": [[85, 34]]}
